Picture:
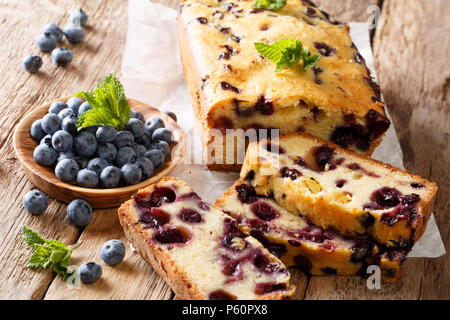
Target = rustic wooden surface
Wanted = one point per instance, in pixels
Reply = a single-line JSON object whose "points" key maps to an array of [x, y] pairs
{"points": [[411, 46]]}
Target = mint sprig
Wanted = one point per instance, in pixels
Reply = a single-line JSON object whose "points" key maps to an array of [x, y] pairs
{"points": [[109, 105], [286, 53], [47, 253], [269, 4]]}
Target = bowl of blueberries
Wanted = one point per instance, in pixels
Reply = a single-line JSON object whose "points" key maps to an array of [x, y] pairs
{"points": [[100, 164]]}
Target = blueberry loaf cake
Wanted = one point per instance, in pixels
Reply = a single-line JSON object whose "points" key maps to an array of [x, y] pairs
{"points": [[297, 242], [198, 250], [340, 190], [232, 86]]}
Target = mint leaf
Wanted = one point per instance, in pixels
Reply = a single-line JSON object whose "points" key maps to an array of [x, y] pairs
{"points": [[286, 53], [109, 105], [40, 257], [31, 238], [269, 4]]}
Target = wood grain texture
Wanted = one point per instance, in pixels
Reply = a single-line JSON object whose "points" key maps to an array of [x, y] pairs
{"points": [[44, 178], [347, 10]]}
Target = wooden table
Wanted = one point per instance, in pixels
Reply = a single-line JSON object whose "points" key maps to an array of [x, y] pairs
{"points": [[411, 47]]}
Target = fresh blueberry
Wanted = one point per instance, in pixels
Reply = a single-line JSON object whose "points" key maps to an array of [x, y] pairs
{"points": [[125, 155], [145, 140], [136, 114], [36, 131], [171, 114], [131, 173], [79, 213], [85, 144], [136, 127], [62, 141], [66, 112], [87, 178], [32, 63], [112, 252], [69, 124], [35, 201], [51, 123], [156, 157], [153, 123], [110, 177], [66, 155], [55, 31], [161, 146], [66, 170], [74, 103], [45, 155], [56, 107], [90, 129], [47, 140], [146, 167], [82, 161], [46, 42], [139, 149], [162, 134], [107, 151], [106, 133], [89, 272], [78, 17], [62, 56], [85, 106], [124, 139], [74, 33], [97, 165]]}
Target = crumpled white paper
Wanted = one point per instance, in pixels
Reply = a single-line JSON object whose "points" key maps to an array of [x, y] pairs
{"points": [[152, 73]]}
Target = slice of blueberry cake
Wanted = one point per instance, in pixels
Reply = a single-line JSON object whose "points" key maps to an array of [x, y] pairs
{"points": [[198, 250], [233, 86], [297, 242], [340, 190]]}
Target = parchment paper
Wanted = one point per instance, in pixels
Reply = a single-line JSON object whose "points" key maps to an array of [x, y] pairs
{"points": [[152, 73]]}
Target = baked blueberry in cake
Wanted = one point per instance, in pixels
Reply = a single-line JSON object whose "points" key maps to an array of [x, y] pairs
{"points": [[233, 86], [298, 243], [339, 190], [199, 250]]}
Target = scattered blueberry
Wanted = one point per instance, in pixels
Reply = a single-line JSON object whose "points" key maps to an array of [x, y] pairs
{"points": [[32, 63], [131, 173], [85, 144], [35, 201], [110, 177], [106, 133], [66, 170], [69, 124], [36, 131], [74, 33], [62, 56], [171, 114], [154, 123], [46, 42], [146, 167], [107, 151], [56, 107], [79, 213], [156, 157], [112, 252], [139, 149], [78, 17], [74, 103], [136, 114], [87, 178], [55, 31], [125, 155], [51, 123], [162, 134], [45, 155], [136, 127], [124, 139], [62, 141], [161, 146], [66, 112], [97, 165], [89, 272]]}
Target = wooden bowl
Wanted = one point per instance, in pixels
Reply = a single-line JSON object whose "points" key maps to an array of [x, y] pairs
{"points": [[45, 179]]}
